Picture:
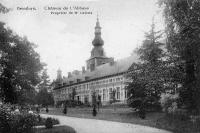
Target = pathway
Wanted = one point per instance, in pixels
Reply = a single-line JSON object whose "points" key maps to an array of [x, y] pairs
{"points": [[82, 125]]}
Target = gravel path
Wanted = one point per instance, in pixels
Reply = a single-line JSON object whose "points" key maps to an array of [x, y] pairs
{"points": [[101, 126]]}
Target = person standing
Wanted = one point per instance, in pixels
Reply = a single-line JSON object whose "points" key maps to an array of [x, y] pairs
{"points": [[65, 109], [94, 111], [47, 110]]}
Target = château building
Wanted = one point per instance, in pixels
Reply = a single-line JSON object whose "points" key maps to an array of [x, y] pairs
{"points": [[103, 77]]}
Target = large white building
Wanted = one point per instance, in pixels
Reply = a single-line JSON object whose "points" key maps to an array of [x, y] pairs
{"points": [[102, 77]]}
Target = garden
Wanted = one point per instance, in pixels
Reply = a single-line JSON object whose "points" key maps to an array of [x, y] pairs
{"points": [[17, 119]]}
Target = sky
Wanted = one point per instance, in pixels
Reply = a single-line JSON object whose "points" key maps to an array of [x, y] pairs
{"points": [[65, 41]]}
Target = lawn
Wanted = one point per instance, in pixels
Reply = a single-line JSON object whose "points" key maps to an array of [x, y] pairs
{"points": [[128, 115], [56, 129], [121, 114]]}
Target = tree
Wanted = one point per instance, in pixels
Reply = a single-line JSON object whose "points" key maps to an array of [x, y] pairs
{"points": [[3, 9], [44, 97], [45, 82], [19, 65], [182, 28], [147, 80]]}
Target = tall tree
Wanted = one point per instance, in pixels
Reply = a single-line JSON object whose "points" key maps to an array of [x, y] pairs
{"points": [[45, 82], [146, 77], [183, 40], [19, 64], [44, 96]]}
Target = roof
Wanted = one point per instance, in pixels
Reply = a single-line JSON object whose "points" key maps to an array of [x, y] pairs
{"points": [[107, 69]]}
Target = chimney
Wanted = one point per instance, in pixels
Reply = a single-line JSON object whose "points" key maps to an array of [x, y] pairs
{"points": [[112, 61], [83, 69], [69, 74]]}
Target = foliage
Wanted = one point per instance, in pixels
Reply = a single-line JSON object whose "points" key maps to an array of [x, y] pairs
{"points": [[45, 82], [182, 30], [19, 65], [44, 98], [169, 102], [49, 123], [12, 122], [147, 76], [42, 121], [3, 9]]}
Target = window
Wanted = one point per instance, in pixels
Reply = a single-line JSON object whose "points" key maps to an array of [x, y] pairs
{"points": [[110, 93], [104, 94], [118, 93], [125, 93], [87, 86], [110, 80], [117, 79]]}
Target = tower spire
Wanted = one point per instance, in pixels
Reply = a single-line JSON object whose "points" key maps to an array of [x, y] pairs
{"points": [[97, 17], [97, 39]]}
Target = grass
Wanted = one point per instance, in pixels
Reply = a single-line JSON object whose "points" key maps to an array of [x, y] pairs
{"points": [[179, 124], [128, 115], [56, 129], [121, 114]]}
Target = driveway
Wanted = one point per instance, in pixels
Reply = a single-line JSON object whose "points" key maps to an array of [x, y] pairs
{"points": [[82, 125]]}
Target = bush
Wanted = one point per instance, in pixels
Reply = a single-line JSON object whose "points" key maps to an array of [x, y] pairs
{"points": [[12, 122], [23, 123], [42, 121], [49, 123], [5, 118], [169, 103]]}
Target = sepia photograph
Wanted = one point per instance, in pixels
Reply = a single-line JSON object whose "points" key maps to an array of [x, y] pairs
{"points": [[99, 66]]}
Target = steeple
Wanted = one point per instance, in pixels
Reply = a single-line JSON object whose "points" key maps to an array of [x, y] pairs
{"points": [[97, 39], [98, 56]]}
